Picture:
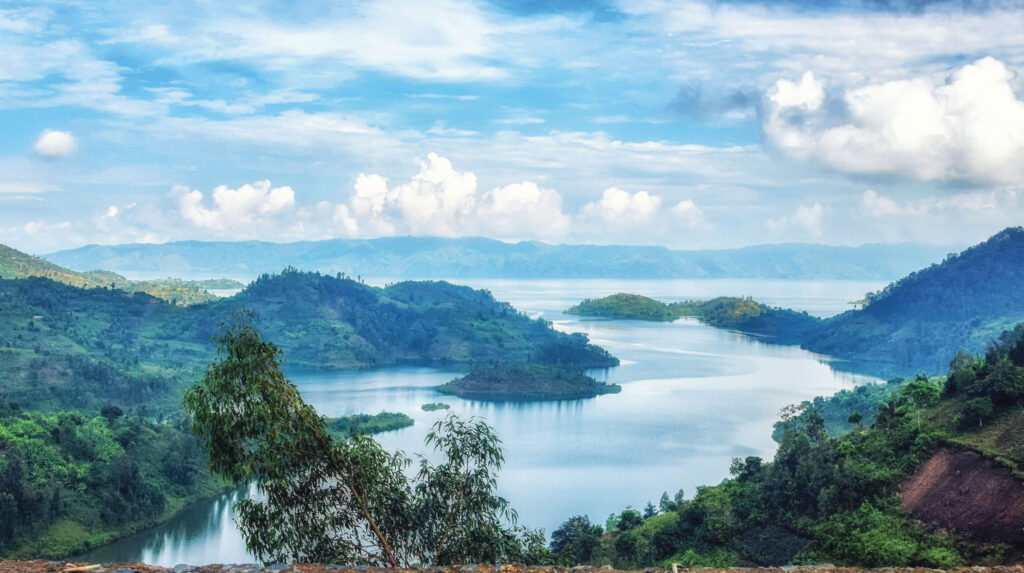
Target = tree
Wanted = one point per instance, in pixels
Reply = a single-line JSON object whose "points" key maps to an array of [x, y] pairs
{"points": [[650, 510], [574, 541], [628, 519], [345, 501]]}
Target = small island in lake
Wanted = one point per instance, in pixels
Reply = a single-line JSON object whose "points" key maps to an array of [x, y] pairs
{"points": [[738, 313], [435, 406], [368, 424], [527, 382]]}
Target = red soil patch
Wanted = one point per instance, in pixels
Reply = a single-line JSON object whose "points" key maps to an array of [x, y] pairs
{"points": [[960, 489]]}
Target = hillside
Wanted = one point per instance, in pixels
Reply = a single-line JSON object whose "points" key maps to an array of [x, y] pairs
{"points": [[15, 264], [934, 481], [62, 346], [424, 257], [919, 322], [916, 324]]}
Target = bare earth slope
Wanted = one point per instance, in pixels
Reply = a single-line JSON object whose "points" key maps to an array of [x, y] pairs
{"points": [[960, 489]]}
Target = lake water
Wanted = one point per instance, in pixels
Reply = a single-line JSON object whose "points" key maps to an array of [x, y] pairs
{"points": [[693, 397]]}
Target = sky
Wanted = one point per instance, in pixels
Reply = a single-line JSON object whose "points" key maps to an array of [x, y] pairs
{"points": [[689, 124]]}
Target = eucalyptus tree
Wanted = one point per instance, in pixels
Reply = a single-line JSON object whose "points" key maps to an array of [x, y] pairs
{"points": [[346, 500]]}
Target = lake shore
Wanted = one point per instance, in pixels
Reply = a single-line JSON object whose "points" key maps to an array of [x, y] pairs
{"points": [[40, 566]]}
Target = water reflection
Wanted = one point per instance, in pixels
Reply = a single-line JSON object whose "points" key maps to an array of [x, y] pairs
{"points": [[693, 398]]}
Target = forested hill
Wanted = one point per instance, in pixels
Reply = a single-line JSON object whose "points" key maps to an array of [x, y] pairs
{"points": [[425, 257], [15, 264], [919, 322], [66, 347]]}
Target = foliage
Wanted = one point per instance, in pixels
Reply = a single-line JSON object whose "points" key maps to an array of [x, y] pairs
{"points": [[368, 424], [346, 500], [72, 479], [527, 382], [919, 322], [65, 347], [623, 305], [737, 313], [435, 406], [575, 540]]}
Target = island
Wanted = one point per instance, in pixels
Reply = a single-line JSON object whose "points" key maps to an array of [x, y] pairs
{"points": [[509, 382], [368, 424], [435, 406], [737, 313]]}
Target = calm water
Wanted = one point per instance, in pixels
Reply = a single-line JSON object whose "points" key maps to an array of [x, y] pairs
{"points": [[693, 398]]}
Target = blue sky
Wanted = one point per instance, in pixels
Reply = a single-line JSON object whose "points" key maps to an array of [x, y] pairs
{"points": [[684, 123]]}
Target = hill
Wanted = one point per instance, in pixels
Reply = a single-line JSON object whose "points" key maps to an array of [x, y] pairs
{"points": [[425, 257], [916, 324], [934, 481], [919, 322], [15, 264], [62, 346]]}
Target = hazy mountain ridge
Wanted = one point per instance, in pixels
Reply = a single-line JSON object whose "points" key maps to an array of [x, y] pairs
{"points": [[432, 257], [919, 322]]}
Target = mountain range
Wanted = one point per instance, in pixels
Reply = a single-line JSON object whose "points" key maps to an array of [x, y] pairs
{"points": [[463, 258]]}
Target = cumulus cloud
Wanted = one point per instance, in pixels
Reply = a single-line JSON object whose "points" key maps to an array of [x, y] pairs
{"points": [[807, 222], [55, 144], [688, 214], [234, 209], [620, 207], [441, 201], [968, 127]]}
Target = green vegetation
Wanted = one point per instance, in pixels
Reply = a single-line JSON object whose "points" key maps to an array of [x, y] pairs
{"points": [[919, 322], [368, 424], [834, 497], [16, 265], [435, 406], [527, 382], [71, 480], [628, 306], [743, 314], [63, 347], [347, 501]]}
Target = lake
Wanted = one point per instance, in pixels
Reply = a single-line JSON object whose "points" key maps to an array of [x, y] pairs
{"points": [[693, 397]]}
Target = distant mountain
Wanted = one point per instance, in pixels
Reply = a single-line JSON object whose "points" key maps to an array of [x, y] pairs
{"points": [[427, 257], [15, 264], [919, 322], [68, 347]]}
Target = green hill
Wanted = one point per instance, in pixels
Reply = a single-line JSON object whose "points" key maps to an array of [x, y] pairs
{"points": [[67, 347], [919, 322], [933, 481], [15, 264]]}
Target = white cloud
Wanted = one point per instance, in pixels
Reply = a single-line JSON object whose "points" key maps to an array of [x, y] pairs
{"points": [[441, 201], [521, 210], [240, 209], [970, 127], [807, 95], [53, 144], [806, 223], [619, 207], [688, 214]]}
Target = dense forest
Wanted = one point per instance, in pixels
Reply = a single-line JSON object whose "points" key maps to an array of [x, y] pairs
{"points": [[918, 323], [66, 347], [834, 497]]}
